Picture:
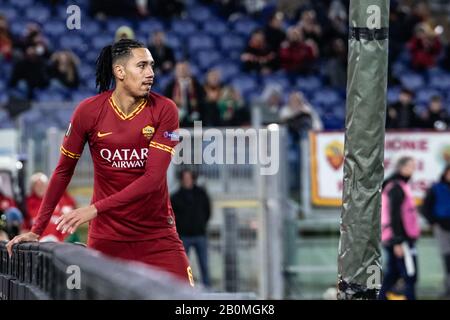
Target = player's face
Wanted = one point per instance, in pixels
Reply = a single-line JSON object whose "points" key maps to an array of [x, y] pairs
{"points": [[139, 75]]}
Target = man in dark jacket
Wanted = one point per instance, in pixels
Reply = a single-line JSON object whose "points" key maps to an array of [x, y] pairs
{"points": [[436, 209], [192, 209]]}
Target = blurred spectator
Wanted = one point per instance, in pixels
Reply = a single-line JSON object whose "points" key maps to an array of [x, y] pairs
{"points": [[402, 114], [213, 88], [187, 93], [289, 7], [436, 117], [101, 9], [6, 40], [300, 115], [258, 56], [232, 109], [6, 202], [124, 32], [336, 67], [38, 187], [64, 67], [297, 55], [162, 53], [164, 9], [274, 32], [436, 209], [310, 27], [32, 67], [272, 102], [338, 20], [192, 208], [10, 223], [424, 47], [400, 230]]}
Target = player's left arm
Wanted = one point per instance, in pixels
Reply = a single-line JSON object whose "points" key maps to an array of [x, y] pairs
{"points": [[161, 149]]}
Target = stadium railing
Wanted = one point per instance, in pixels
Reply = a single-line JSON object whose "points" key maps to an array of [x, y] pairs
{"points": [[62, 271]]}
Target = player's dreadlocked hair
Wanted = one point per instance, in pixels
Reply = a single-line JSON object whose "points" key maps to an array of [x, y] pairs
{"points": [[104, 74]]}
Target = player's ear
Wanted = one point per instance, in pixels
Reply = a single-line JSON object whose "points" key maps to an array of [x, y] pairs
{"points": [[119, 71]]}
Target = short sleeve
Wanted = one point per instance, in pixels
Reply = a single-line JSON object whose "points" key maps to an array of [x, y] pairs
{"points": [[75, 136], [166, 136]]}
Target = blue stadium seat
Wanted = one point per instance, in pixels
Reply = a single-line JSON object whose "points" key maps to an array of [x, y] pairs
{"points": [[199, 13], [423, 96], [412, 81], [48, 96], [9, 12], [18, 27], [147, 27], [89, 28], [74, 42], [79, 95], [327, 98], [184, 27], [38, 13], [244, 83], [163, 81], [392, 94], [113, 24], [206, 59], [200, 42], [86, 71], [173, 40], [232, 41], [228, 70], [54, 28], [279, 79], [100, 41], [309, 84], [440, 82], [32, 116], [63, 116], [215, 27], [245, 26], [22, 3]]}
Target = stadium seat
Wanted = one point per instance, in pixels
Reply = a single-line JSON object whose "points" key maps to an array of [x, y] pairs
{"points": [[244, 83], [215, 27], [206, 59], [89, 28], [326, 97], [392, 94], [147, 27], [100, 41], [279, 79], [412, 81], [227, 70], [245, 26], [232, 41], [184, 27], [74, 42], [22, 3], [309, 84], [54, 28], [173, 40], [199, 13], [200, 42], [37, 13], [423, 96], [9, 12], [440, 82]]}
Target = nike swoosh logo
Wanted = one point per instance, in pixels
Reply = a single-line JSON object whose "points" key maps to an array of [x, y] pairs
{"points": [[101, 135]]}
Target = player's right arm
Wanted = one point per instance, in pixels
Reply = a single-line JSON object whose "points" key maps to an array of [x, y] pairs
{"points": [[71, 149]]}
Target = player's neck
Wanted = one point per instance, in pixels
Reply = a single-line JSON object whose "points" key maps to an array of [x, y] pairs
{"points": [[125, 102]]}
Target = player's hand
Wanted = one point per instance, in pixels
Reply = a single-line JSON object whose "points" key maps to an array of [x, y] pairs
{"points": [[71, 221], [25, 237], [398, 251]]}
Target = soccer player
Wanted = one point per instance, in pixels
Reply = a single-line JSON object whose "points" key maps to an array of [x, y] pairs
{"points": [[131, 133]]}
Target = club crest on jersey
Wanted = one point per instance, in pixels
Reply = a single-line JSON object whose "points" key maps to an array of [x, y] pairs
{"points": [[148, 132]]}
